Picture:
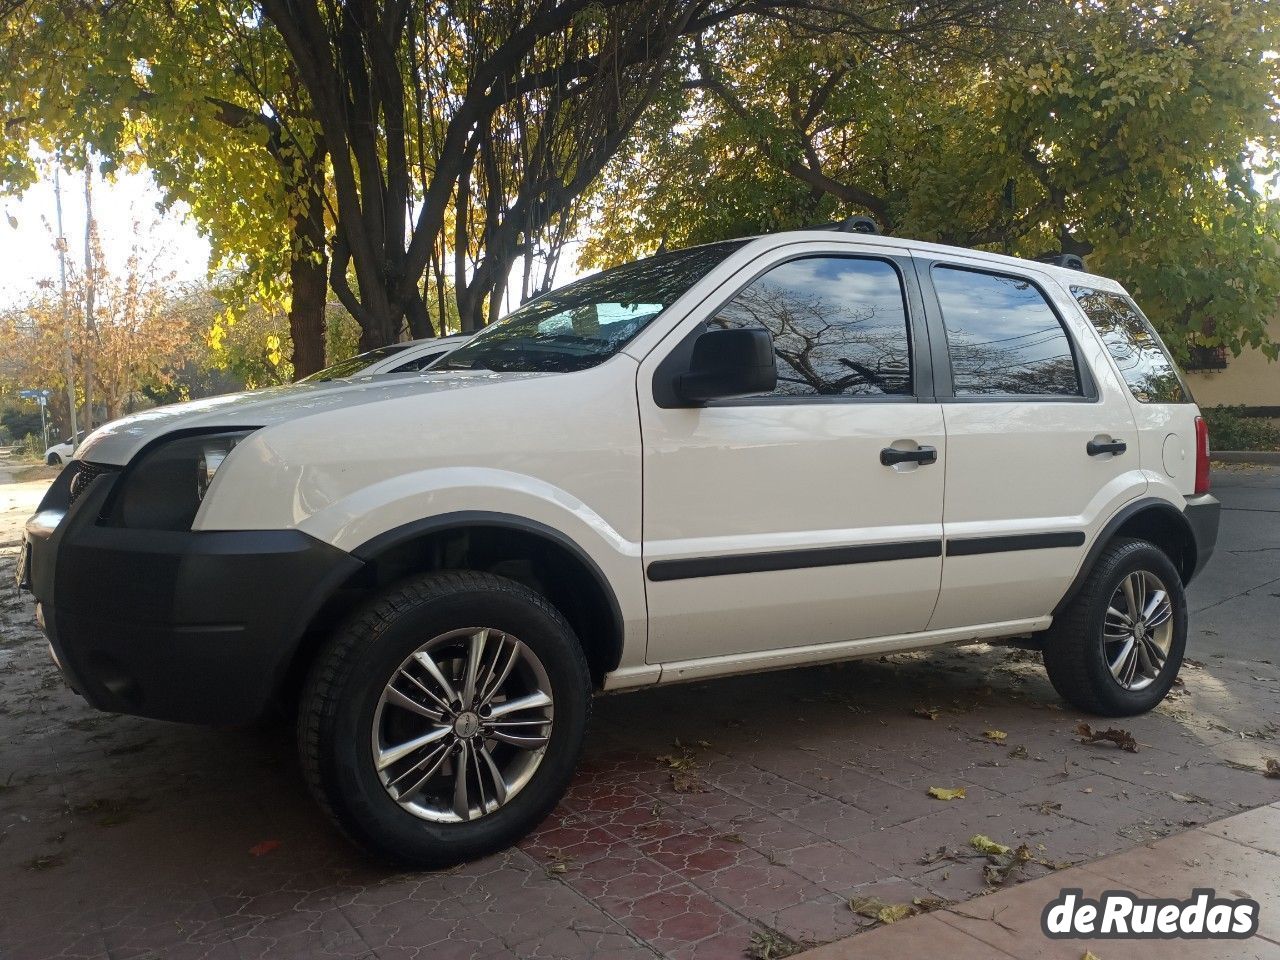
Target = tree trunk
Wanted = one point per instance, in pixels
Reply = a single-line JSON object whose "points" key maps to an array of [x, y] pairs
{"points": [[309, 282], [309, 270]]}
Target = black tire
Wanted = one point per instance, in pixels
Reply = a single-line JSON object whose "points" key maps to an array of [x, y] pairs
{"points": [[340, 697], [54, 460], [1074, 650]]}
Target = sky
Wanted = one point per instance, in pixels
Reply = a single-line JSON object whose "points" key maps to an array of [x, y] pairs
{"points": [[27, 253]]}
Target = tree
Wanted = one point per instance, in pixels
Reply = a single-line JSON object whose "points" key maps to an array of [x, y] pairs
{"points": [[204, 97], [1141, 136], [135, 340]]}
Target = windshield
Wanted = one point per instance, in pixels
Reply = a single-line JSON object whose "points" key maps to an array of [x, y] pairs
{"points": [[353, 365], [588, 321]]}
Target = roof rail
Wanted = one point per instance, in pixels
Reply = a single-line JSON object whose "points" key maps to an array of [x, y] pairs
{"points": [[858, 224], [1069, 260]]}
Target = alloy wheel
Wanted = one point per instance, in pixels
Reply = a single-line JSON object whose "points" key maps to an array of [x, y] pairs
{"points": [[1138, 630], [462, 725]]}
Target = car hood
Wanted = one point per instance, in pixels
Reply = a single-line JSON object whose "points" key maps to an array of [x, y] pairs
{"points": [[118, 441]]}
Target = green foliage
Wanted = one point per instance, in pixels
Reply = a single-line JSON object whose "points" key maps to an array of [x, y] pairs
{"points": [[1145, 136], [19, 421], [1230, 429]]}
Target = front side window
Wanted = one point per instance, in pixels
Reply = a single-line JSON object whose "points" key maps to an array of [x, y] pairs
{"points": [[1004, 338], [839, 326], [588, 321], [1143, 361]]}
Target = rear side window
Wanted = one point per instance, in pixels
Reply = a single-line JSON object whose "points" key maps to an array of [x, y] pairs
{"points": [[1143, 361], [839, 326], [1004, 338]]}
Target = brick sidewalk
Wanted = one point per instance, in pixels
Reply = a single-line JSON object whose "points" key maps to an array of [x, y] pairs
{"points": [[1236, 857]]}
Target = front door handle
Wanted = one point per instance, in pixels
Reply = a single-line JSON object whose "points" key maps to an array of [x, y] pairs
{"points": [[1096, 448], [890, 456]]}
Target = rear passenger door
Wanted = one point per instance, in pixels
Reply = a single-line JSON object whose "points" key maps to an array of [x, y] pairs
{"points": [[1026, 480]]}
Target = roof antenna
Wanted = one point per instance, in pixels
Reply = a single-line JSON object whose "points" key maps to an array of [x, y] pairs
{"points": [[858, 224]]}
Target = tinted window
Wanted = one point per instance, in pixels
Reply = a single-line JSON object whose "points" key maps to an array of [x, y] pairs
{"points": [[353, 365], [1004, 337], [417, 363], [588, 321], [839, 326], [1138, 352]]}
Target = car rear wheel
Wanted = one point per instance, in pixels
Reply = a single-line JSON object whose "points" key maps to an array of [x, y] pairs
{"points": [[1117, 648], [444, 720]]}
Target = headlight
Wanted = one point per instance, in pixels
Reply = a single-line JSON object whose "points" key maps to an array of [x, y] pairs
{"points": [[212, 453], [163, 488]]}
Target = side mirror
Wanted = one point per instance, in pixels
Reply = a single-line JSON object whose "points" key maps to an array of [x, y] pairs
{"points": [[729, 363]]}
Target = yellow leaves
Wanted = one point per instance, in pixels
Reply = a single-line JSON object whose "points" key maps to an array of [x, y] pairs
{"points": [[947, 793], [985, 845], [997, 735]]}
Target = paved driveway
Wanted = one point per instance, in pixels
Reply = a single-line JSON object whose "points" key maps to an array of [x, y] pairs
{"points": [[704, 815]]}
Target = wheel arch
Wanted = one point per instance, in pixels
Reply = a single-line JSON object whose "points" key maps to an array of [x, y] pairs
{"points": [[1158, 521], [530, 552]]}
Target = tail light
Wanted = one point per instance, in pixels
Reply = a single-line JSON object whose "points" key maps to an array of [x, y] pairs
{"points": [[1202, 456]]}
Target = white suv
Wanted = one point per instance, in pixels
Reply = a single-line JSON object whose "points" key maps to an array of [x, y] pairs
{"points": [[791, 449]]}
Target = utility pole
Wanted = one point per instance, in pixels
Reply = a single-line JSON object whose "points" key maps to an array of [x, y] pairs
{"points": [[68, 359], [90, 283]]}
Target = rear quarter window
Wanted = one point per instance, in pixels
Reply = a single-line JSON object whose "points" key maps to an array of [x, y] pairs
{"points": [[1142, 359]]}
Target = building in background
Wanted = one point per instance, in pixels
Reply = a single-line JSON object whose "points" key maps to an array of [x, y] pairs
{"points": [[1249, 380]]}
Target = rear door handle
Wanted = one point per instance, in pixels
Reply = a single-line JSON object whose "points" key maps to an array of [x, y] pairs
{"points": [[1096, 448], [890, 456]]}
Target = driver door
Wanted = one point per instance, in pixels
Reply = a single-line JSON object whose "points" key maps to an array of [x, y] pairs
{"points": [[771, 522]]}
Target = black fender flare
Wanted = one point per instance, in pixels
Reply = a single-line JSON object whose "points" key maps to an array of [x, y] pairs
{"points": [[1109, 530], [369, 551]]}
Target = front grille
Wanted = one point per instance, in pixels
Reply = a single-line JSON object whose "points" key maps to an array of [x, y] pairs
{"points": [[85, 474]]}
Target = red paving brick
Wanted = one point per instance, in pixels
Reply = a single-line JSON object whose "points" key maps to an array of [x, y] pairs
{"points": [[121, 837]]}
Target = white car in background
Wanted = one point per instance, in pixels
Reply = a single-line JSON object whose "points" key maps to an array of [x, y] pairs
{"points": [[407, 357], [62, 451]]}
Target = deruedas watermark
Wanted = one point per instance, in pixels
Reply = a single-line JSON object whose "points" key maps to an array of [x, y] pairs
{"points": [[1122, 915]]}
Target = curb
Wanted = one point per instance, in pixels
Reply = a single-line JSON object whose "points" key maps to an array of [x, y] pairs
{"points": [[1245, 456]]}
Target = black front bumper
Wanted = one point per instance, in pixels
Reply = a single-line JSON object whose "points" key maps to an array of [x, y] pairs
{"points": [[191, 626]]}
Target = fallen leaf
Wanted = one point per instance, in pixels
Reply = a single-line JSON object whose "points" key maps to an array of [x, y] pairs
{"points": [[771, 945], [940, 854], [1018, 753], [558, 868], [984, 844], [1090, 955], [684, 782], [926, 713], [895, 912], [947, 793], [263, 848], [996, 735], [1189, 798], [1273, 768], [1121, 738], [873, 908]]}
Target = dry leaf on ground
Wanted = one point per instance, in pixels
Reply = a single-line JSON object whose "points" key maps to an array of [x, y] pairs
{"points": [[926, 713], [984, 844], [1121, 738], [996, 735], [947, 793], [1273, 768]]}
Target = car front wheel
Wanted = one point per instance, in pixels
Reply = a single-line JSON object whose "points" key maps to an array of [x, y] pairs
{"points": [[1117, 648], [444, 720], [54, 460]]}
